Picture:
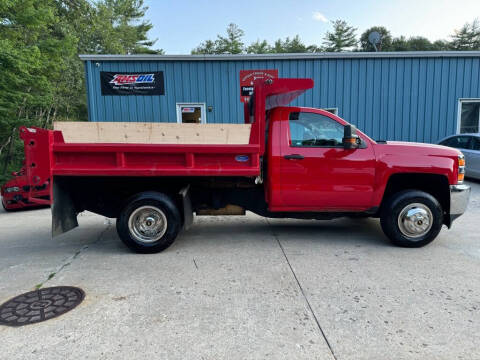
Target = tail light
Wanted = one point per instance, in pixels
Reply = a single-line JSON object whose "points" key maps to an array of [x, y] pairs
{"points": [[461, 168]]}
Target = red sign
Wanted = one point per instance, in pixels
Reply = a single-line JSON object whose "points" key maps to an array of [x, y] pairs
{"points": [[247, 77]]}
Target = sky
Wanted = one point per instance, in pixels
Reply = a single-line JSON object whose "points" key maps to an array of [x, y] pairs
{"points": [[181, 25]]}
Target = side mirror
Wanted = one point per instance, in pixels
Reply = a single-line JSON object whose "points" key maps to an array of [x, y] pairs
{"points": [[350, 138]]}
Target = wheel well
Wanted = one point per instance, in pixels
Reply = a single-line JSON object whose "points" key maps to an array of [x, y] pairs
{"points": [[433, 184]]}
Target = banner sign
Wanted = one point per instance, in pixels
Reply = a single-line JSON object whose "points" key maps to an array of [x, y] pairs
{"points": [[132, 83], [247, 77]]}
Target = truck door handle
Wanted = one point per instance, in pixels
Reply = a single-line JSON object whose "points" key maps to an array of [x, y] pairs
{"points": [[294, 157]]}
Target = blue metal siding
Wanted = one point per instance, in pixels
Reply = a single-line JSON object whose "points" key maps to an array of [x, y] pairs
{"points": [[404, 98]]}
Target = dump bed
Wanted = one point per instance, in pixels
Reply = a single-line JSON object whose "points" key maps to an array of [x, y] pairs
{"points": [[66, 156], [146, 149]]}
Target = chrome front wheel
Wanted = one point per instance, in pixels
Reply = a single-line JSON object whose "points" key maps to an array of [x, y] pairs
{"points": [[411, 218], [415, 220]]}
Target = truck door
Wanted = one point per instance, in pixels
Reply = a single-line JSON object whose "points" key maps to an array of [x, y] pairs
{"points": [[317, 173]]}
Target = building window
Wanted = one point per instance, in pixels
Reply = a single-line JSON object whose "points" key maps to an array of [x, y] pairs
{"points": [[334, 111], [191, 113], [468, 116]]}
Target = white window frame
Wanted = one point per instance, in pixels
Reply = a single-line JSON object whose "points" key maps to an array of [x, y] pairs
{"points": [[333, 110], [203, 110], [459, 112]]}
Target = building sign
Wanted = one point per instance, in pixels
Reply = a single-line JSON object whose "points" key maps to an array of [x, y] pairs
{"points": [[247, 77], [129, 83]]}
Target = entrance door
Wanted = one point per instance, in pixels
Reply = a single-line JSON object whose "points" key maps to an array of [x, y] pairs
{"points": [[191, 113], [317, 173]]}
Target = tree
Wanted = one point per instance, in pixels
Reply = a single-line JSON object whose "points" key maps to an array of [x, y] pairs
{"points": [[467, 38], [343, 37], [385, 42], [439, 45], [289, 45], [208, 47], [32, 48], [399, 44], [232, 43], [118, 28], [293, 45], [419, 43], [259, 47], [41, 76]]}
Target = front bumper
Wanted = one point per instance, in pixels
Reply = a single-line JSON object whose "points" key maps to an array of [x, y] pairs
{"points": [[459, 196], [20, 201]]}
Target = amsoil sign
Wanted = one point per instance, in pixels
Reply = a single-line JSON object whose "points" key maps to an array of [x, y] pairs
{"points": [[139, 83], [247, 77]]}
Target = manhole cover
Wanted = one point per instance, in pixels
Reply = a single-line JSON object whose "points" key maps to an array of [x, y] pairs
{"points": [[40, 305]]}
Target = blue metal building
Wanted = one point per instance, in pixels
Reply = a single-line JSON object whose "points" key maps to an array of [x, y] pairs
{"points": [[413, 96]]}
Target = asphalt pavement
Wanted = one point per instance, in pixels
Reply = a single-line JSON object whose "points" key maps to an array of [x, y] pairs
{"points": [[247, 288]]}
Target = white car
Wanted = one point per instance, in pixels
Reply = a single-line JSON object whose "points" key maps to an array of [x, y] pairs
{"points": [[469, 145]]}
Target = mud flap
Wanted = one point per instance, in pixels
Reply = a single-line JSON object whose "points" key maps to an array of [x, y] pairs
{"points": [[64, 214], [187, 207]]}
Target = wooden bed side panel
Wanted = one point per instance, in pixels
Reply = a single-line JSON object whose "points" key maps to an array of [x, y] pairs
{"points": [[153, 133]]}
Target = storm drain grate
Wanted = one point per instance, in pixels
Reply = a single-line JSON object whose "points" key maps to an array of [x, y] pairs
{"points": [[40, 305]]}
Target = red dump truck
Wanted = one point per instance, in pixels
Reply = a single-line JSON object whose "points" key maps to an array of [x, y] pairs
{"points": [[293, 162]]}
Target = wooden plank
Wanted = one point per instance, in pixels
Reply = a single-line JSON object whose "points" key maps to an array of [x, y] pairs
{"points": [[153, 133]]}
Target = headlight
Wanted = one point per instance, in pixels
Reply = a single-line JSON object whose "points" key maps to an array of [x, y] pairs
{"points": [[461, 168], [12, 189]]}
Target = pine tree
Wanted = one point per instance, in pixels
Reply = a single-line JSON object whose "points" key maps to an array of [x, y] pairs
{"points": [[232, 43], [467, 38], [342, 38]]}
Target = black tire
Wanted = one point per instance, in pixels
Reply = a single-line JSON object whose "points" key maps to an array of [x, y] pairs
{"points": [[149, 200], [392, 209]]}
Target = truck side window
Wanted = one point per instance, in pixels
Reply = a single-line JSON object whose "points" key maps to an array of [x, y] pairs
{"points": [[314, 130]]}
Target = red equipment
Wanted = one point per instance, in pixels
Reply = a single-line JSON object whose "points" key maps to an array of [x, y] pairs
{"points": [[16, 192]]}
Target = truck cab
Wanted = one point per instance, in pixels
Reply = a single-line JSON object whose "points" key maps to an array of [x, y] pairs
{"points": [[308, 159]]}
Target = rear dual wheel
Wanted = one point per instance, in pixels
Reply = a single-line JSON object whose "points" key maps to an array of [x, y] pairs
{"points": [[149, 223], [411, 218]]}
